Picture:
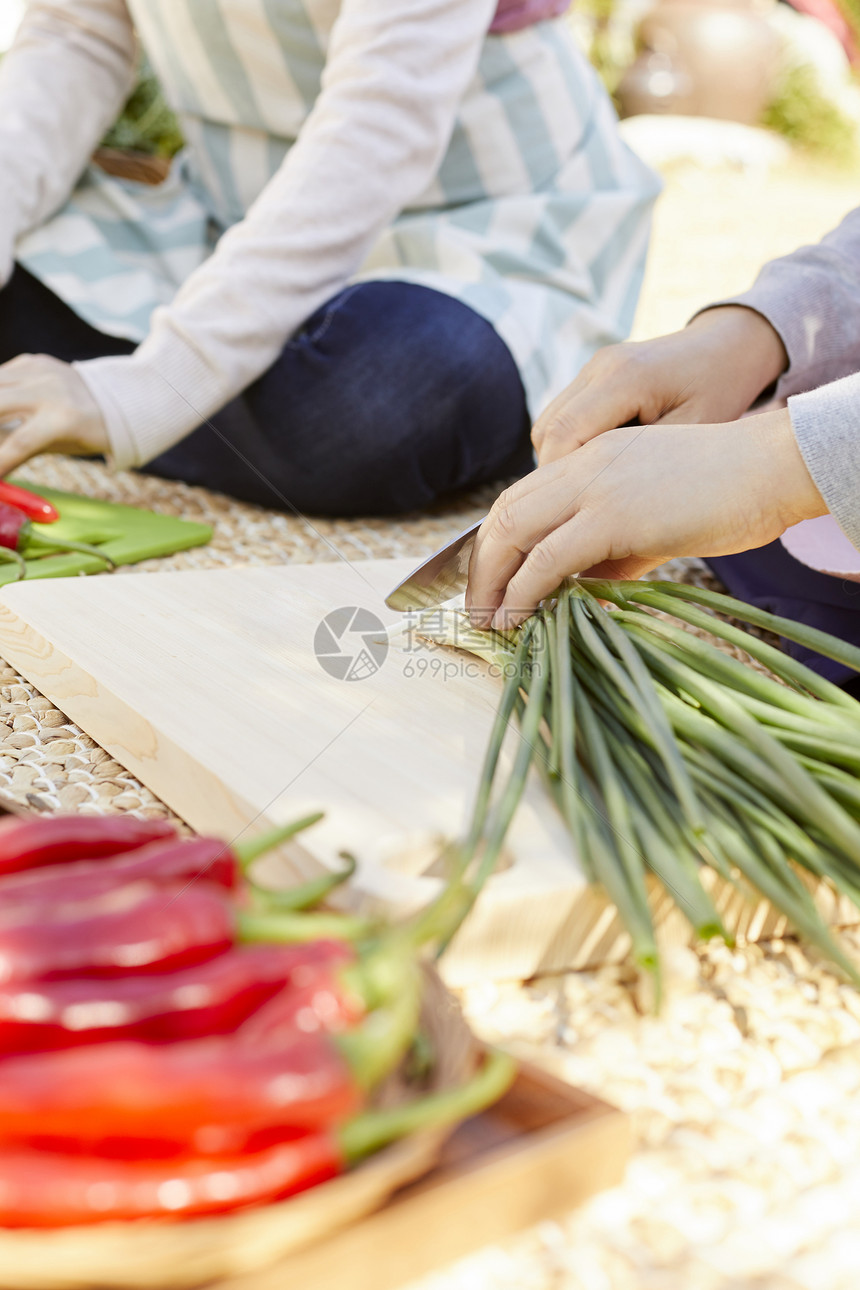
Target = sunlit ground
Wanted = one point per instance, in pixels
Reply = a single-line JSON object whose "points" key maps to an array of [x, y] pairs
{"points": [[714, 229]]}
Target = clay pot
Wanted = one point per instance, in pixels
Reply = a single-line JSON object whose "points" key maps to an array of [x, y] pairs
{"points": [[655, 83], [723, 54]]}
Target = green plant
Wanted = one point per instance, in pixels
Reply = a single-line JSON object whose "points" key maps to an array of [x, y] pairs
{"points": [[805, 116], [146, 123]]}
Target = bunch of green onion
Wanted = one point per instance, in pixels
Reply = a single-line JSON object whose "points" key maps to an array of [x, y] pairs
{"points": [[665, 753]]}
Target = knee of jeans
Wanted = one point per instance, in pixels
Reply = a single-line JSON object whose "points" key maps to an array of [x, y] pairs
{"points": [[407, 394], [364, 465]]}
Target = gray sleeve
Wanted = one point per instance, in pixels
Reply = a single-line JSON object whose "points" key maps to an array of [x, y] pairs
{"points": [[827, 428], [812, 298]]}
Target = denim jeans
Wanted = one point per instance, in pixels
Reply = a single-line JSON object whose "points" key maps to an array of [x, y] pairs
{"points": [[391, 397]]}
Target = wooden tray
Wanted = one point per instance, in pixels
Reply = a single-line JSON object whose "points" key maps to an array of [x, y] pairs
{"points": [[542, 1150]]}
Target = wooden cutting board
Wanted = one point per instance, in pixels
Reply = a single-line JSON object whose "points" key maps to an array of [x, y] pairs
{"points": [[224, 692]]}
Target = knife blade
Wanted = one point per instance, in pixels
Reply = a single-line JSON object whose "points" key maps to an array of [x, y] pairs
{"points": [[439, 578]]}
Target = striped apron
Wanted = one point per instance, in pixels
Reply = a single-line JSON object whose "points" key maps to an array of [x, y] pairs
{"points": [[538, 217]]}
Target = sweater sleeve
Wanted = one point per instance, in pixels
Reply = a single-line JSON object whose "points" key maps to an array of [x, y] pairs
{"points": [[62, 83], [395, 75], [812, 298], [826, 425]]}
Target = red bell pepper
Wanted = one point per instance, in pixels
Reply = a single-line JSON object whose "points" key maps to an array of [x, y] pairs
{"points": [[45, 1189], [16, 532], [34, 507], [137, 928], [28, 842], [197, 1093], [325, 1000], [207, 1094], [175, 860], [208, 999], [49, 1189]]}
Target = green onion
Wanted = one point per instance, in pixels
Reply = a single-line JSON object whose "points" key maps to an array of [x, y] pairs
{"points": [[664, 754], [633, 679]]}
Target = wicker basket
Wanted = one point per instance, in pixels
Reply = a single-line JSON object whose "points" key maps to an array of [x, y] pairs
{"points": [[137, 166], [156, 1255]]}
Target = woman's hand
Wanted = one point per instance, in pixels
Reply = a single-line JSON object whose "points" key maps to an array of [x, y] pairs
{"points": [[711, 371], [634, 497], [51, 409]]}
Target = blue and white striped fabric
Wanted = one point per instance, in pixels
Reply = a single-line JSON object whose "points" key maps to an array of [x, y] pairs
{"points": [[538, 217]]}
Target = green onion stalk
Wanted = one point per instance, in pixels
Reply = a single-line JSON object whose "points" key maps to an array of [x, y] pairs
{"points": [[664, 754]]}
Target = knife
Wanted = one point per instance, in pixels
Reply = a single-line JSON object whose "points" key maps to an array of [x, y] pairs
{"points": [[439, 578]]}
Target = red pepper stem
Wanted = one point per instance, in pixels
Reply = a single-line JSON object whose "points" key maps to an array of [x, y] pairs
{"points": [[307, 894], [438, 922], [374, 1129], [54, 545], [247, 852], [13, 557], [292, 927], [377, 1046]]}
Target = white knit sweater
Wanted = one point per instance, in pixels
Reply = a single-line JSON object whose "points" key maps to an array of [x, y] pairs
{"points": [[396, 72]]}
